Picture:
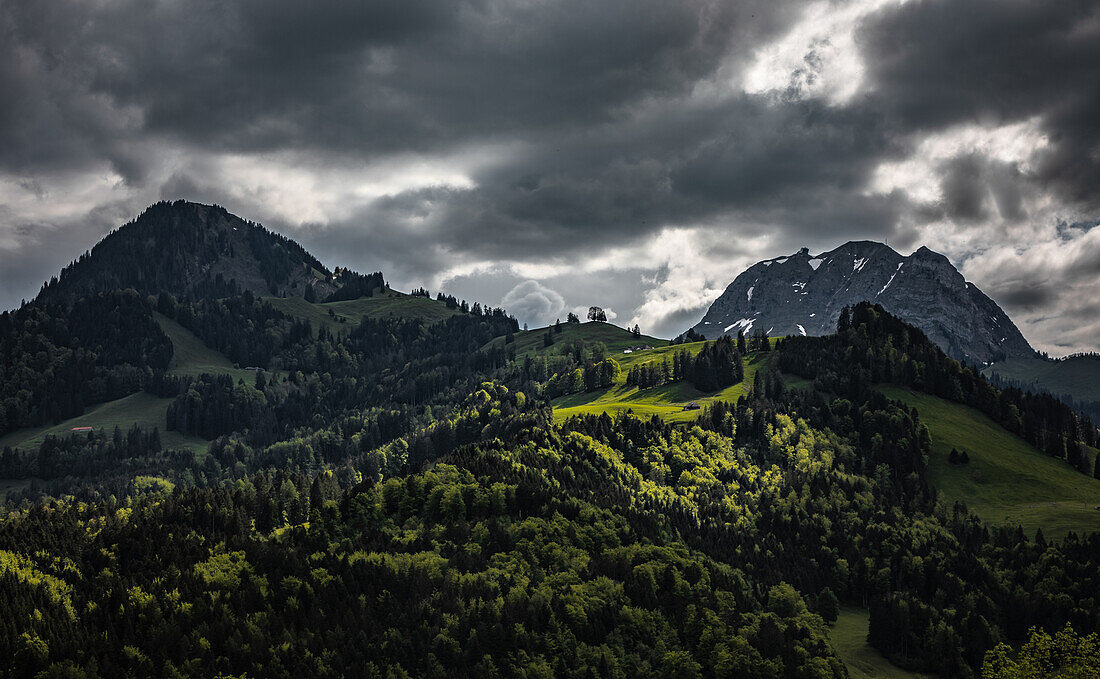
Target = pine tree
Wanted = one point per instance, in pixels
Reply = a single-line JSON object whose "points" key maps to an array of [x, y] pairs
{"points": [[828, 607], [844, 322], [1075, 456]]}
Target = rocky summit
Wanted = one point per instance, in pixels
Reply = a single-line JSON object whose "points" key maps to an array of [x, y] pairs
{"points": [[803, 294]]}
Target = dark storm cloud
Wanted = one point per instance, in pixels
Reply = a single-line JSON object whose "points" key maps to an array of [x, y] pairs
{"points": [[799, 164], [1028, 296], [373, 77], [601, 123], [976, 187], [938, 63]]}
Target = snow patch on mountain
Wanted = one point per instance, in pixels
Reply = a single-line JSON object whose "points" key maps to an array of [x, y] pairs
{"points": [[924, 289], [891, 279]]}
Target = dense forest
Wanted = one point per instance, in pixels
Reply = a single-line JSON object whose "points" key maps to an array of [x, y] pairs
{"points": [[716, 366], [191, 250], [55, 359], [392, 497], [872, 347], [643, 547]]}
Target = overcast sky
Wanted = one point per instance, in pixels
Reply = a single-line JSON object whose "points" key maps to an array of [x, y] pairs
{"points": [[636, 154]]}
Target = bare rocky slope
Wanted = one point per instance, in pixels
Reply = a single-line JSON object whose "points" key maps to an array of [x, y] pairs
{"points": [[803, 294]]}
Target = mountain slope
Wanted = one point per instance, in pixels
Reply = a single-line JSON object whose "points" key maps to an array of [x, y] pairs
{"points": [[192, 250], [803, 295], [667, 400], [1074, 379], [1007, 480], [616, 339], [347, 314]]}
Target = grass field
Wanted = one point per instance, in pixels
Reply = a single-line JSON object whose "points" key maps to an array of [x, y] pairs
{"points": [[617, 339], [1078, 376], [141, 408], [667, 401], [1007, 480], [347, 314], [848, 636], [191, 357]]}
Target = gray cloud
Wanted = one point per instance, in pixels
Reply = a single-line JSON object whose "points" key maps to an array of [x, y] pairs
{"points": [[497, 138], [942, 62], [534, 303]]}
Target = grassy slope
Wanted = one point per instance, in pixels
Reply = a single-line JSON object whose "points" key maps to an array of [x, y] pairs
{"points": [[347, 314], [848, 636], [666, 401], [393, 304], [616, 339], [191, 357], [1078, 377], [141, 408], [1007, 480]]}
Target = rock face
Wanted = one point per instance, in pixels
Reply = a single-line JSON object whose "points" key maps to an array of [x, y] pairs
{"points": [[803, 294]]}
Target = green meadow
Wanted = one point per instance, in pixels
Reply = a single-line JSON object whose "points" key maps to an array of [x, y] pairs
{"points": [[339, 317], [1007, 480], [667, 401], [142, 409], [530, 342], [848, 636], [191, 357]]}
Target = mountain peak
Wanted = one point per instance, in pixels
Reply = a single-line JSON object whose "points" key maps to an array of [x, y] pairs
{"points": [[192, 250], [803, 295], [923, 252], [862, 246]]}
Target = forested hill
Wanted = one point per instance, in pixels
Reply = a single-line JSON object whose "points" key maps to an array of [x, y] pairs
{"points": [[380, 512], [195, 251], [380, 493]]}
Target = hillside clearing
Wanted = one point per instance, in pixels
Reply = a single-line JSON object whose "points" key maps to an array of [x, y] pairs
{"points": [[667, 400], [1007, 480], [848, 635], [145, 410], [347, 314], [191, 357], [615, 338]]}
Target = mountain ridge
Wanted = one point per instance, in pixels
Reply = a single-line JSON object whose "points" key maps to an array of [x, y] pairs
{"points": [[804, 294], [192, 250]]}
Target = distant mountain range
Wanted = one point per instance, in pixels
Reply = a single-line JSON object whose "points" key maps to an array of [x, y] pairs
{"points": [[803, 294]]}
